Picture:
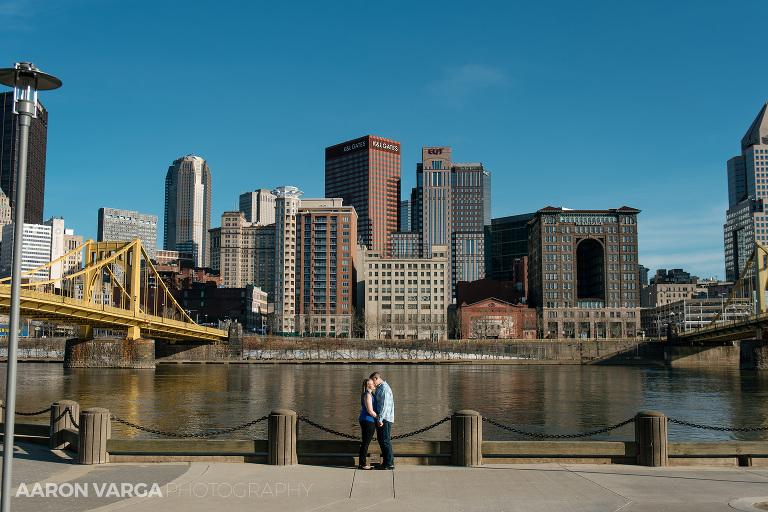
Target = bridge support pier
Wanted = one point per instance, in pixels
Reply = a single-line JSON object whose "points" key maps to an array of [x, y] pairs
{"points": [[753, 355], [235, 341], [109, 353], [726, 355]]}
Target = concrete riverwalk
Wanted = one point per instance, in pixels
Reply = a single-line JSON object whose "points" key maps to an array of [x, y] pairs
{"points": [[188, 487]]}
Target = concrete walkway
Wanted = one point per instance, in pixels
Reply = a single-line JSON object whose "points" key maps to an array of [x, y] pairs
{"points": [[527, 487]]}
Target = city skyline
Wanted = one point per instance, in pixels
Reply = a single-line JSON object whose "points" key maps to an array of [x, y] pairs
{"points": [[581, 106]]}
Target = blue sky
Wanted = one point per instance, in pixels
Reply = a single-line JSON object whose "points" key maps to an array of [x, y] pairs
{"points": [[588, 105]]}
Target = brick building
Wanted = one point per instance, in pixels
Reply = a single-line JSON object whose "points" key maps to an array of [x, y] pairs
{"points": [[493, 319], [583, 272]]}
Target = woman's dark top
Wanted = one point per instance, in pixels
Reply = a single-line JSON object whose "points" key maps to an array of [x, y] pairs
{"points": [[364, 413]]}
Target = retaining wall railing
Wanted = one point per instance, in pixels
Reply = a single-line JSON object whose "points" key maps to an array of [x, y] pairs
{"points": [[89, 433]]}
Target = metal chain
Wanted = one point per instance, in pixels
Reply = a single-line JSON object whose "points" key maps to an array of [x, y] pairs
{"points": [[61, 416], [72, 418], [29, 413], [326, 429], [199, 434], [722, 429], [558, 436], [357, 438], [422, 429]]}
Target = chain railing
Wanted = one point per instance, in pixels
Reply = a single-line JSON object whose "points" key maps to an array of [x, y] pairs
{"points": [[29, 413], [557, 436], [72, 418], [409, 434], [401, 436], [326, 429], [357, 438], [186, 435], [721, 429]]}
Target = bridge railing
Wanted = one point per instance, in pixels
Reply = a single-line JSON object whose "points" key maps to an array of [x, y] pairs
{"points": [[123, 313], [745, 322]]}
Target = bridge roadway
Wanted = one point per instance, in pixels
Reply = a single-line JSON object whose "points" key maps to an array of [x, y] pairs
{"points": [[58, 308], [742, 329]]}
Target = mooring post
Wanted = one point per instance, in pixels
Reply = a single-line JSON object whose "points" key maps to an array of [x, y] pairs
{"points": [[61, 420], [95, 429], [281, 438], [466, 438], [651, 438]]}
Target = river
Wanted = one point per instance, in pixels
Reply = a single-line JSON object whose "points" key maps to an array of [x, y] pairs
{"points": [[547, 399]]}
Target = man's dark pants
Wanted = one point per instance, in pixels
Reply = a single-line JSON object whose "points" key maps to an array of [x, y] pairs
{"points": [[382, 434]]}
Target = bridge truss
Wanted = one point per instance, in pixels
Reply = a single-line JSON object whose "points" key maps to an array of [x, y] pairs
{"points": [[752, 283], [116, 288]]}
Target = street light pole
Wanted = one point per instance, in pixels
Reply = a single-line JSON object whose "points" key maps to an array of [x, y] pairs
{"points": [[26, 80]]}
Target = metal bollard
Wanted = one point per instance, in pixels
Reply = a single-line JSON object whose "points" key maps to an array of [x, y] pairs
{"points": [[651, 438], [95, 429], [466, 438], [60, 420], [281, 438]]}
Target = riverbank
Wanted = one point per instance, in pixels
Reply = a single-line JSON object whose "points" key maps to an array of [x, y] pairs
{"points": [[302, 350], [747, 354]]}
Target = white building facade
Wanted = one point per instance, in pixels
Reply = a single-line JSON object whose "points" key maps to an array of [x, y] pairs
{"points": [[405, 298], [35, 251]]}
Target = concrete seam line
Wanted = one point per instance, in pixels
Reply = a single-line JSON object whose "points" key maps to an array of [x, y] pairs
{"points": [[748, 472], [624, 505], [578, 473], [357, 509], [352, 487]]}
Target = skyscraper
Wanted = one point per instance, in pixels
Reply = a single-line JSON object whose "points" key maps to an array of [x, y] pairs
{"points": [[451, 205], [286, 259], [188, 208], [38, 139], [365, 173], [583, 272], [35, 251], [315, 265], [746, 219], [258, 206], [124, 225], [405, 215], [244, 253], [508, 242]]}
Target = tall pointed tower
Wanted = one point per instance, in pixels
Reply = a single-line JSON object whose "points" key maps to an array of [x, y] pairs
{"points": [[746, 219], [188, 208]]}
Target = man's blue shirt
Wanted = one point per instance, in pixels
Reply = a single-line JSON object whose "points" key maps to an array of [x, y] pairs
{"points": [[385, 403]]}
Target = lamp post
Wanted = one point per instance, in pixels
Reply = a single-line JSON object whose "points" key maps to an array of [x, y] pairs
{"points": [[26, 80]]}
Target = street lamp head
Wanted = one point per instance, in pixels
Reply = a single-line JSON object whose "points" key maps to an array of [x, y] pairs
{"points": [[26, 80]]}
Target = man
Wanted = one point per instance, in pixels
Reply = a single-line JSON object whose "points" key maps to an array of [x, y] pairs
{"points": [[385, 409]]}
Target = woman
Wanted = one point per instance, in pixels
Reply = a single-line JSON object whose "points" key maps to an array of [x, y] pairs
{"points": [[367, 421]]}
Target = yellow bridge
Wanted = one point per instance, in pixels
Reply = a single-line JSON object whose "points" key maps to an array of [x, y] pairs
{"points": [[117, 288], [751, 283]]}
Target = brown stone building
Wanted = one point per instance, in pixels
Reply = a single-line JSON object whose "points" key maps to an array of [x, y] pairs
{"points": [[583, 272]]}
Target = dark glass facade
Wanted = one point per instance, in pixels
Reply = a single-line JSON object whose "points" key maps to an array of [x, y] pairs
{"points": [[9, 143], [508, 242]]}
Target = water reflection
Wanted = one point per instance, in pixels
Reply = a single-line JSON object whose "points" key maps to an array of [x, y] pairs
{"points": [[546, 399]]}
